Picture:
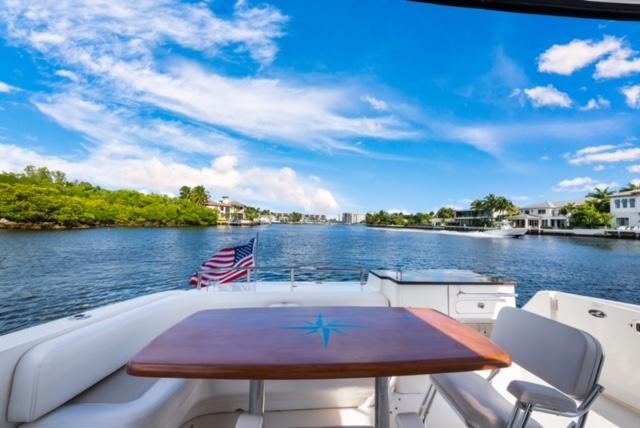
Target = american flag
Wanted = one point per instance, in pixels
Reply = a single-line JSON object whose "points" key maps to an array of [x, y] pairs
{"points": [[233, 257]]}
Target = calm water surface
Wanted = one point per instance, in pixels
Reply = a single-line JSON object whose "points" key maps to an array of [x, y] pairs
{"points": [[46, 275]]}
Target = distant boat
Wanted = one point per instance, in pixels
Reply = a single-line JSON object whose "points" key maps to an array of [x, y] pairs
{"points": [[505, 230]]}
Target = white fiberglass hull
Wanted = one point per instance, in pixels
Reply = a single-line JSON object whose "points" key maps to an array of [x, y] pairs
{"points": [[106, 337], [507, 233]]}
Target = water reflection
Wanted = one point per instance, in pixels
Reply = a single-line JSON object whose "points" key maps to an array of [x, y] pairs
{"points": [[47, 275]]}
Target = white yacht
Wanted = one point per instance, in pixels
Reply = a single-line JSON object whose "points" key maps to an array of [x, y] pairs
{"points": [[70, 372], [505, 230]]}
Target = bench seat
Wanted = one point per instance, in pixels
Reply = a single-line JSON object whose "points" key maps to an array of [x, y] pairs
{"points": [[77, 378], [123, 401]]}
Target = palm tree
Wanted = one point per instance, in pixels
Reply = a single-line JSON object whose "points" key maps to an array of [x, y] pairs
{"points": [[630, 186], [185, 191], [199, 195], [600, 197], [478, 204], [493, 202]]}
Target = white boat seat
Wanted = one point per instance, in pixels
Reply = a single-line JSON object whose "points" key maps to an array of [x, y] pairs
{"points": [[476, 399], [551, 398], [63, 370], [567, 359], [57, 370], [123, 401]]}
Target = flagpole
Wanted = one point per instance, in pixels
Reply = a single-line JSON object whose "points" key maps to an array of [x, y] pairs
{"points": [[255, 262]]}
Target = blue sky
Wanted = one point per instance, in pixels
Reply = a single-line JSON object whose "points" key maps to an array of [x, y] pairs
{"points": [[320, 106]]}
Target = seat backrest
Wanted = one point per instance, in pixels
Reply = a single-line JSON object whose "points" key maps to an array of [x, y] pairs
{"points": [[58, 369], [54, 371], [565, 357]]}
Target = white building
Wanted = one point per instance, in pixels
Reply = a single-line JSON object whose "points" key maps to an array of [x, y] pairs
{"points": [[625, 208], [353, 218], [228, 210], [544, 215]]}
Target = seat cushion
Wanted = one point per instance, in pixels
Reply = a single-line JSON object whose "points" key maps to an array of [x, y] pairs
{"points": [[126, 402], [477, 402], [54, 371], [564, 357], [533, 393]]}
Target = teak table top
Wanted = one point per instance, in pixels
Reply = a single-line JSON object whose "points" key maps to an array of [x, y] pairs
{"points": [[315, 343]]}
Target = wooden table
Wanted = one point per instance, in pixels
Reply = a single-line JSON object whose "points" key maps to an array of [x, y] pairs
{"points": [[316, 343]]}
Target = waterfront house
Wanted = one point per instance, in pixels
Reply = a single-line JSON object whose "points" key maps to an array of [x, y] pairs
{"points": [[544, 215], [228, 210], [625, 208], [475, 218]]}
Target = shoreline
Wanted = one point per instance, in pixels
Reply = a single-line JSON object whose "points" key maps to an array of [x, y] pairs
{"points": [[578, 233], [8, 225]]}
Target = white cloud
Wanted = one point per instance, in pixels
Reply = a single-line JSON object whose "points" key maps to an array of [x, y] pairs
{"points": [[544, 158], [596, 104], [132, 29], [520, 198], [632, 94], [6, 88], [575, 55], [595, 149], [581, 184], [68, 74], [618, 64], [115, 44], [154, 172], [376, 103], [612, 55], [493, 138], [102, 125], [259, 108], [599, 168], [46, 38], [634, 169], [548, 96], [604, 154]]}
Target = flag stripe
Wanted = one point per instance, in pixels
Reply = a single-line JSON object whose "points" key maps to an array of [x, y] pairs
{"points": [[231, 258]]}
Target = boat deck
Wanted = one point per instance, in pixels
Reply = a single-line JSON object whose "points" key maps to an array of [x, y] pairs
{"points": [[606, 413]]}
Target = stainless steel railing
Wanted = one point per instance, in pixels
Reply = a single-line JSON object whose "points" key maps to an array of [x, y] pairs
{"points": [[291, 272]]}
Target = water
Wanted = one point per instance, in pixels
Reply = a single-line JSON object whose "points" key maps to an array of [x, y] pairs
{"points": [[46, 275]]}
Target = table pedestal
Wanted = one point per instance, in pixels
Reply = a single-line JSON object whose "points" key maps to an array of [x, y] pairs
{"points": [[382, 402], [256, 400], [256, 397]]}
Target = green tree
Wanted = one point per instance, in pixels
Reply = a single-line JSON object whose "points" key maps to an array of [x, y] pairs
{"points": [[630, 186], [39, 195], [418, 218], [252, 213], [199, 195], [600, 198], [587, 215], [446, 212], [185, 192], [495, 203], [295, 217]]}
